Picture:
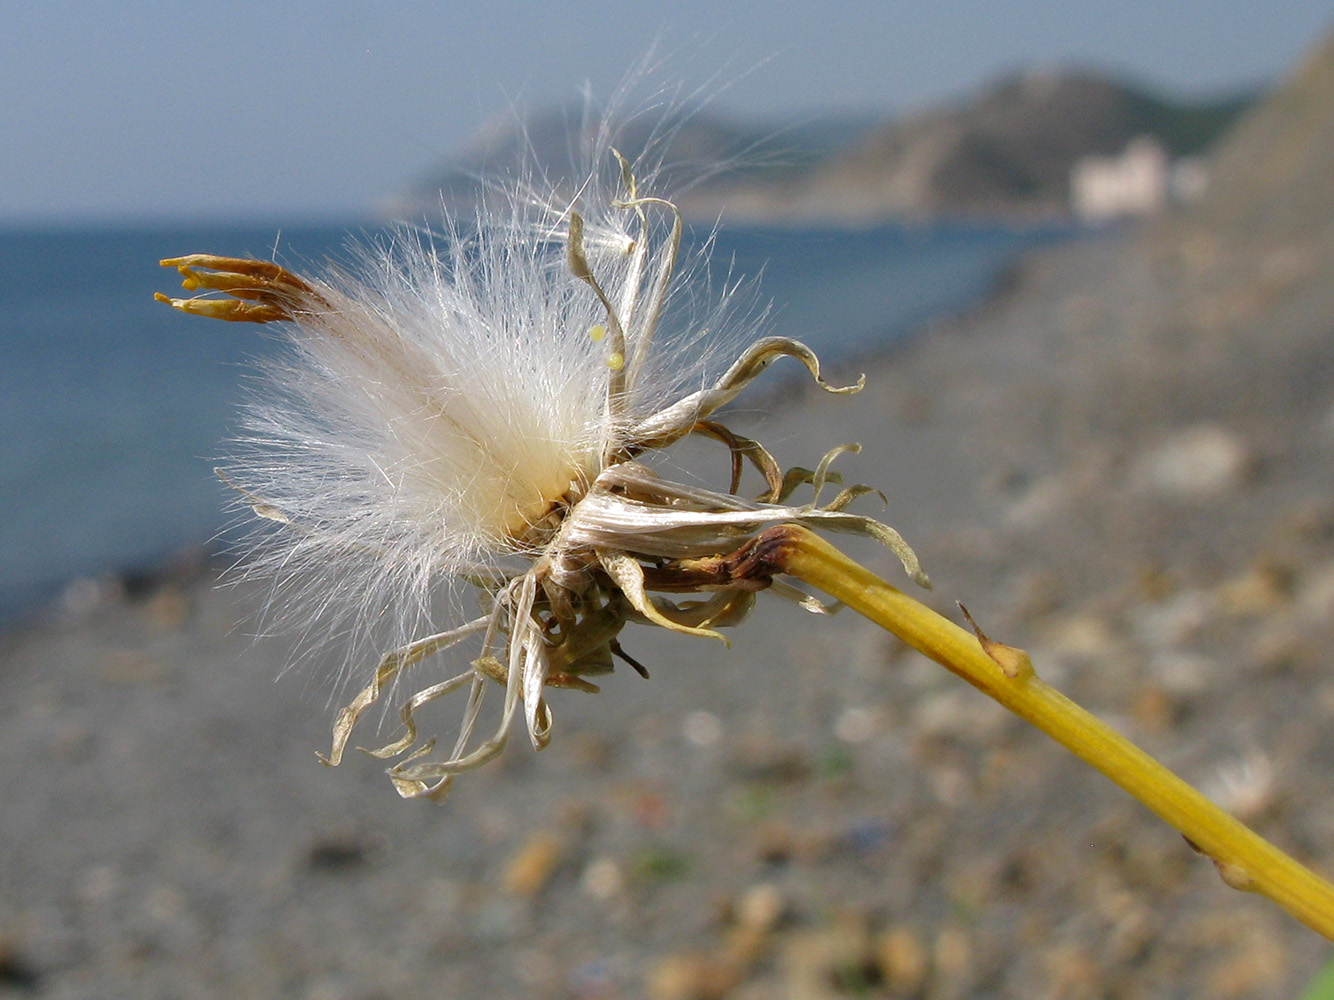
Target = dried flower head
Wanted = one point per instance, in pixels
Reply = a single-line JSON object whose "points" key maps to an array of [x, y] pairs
{"points": [[475, 414]]}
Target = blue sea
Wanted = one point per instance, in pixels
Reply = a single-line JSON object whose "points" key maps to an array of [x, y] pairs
{"points": [[114, 407]]}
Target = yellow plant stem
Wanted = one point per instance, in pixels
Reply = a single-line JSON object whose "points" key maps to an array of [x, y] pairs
{"points": [[1245, 860]]}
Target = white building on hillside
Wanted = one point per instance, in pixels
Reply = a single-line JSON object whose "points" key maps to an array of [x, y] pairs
{"points": [[1135, 183], [1141, 181]]}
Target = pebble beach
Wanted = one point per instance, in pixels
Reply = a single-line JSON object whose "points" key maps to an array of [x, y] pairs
{"points": [[1123, 463]]}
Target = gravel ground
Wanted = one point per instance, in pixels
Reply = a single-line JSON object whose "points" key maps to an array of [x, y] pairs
{"points": [[1123, 465]]}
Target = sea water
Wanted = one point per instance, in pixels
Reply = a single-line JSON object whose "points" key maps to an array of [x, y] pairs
{"points": [[114, 408]]}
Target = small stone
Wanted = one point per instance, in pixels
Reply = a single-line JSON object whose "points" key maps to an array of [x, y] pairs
{"points": [[1258, 590], [533, 864], [856, 724], [829, 963], [761, 907], [675, 977], [603, 879], [1245, 787], [903, 960], [1154, 709], [692, 977], [1197, 462], [702, 729]]}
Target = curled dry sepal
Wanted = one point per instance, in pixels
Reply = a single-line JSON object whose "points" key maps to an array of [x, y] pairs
{"points": [[476, 414]]}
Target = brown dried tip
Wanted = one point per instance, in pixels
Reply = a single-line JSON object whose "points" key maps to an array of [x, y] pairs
{"points": [[262, 291], [1014, 663]]}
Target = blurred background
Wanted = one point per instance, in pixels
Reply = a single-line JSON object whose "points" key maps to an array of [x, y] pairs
{"points": [[315, 112], [1082, 253]]}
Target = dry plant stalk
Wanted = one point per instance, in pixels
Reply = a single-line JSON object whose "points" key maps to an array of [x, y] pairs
{"points": [[1244, 859], [480, 418]]}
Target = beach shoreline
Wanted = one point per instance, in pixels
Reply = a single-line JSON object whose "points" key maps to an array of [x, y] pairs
{"points": [[813, 791]]}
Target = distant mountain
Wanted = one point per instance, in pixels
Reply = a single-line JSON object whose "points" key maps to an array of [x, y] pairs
{"points": [[703, 154], [1005, 151]]}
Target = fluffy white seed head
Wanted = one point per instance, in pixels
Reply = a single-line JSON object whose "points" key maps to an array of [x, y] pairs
{"points": [[449, 392], [469, 411]]}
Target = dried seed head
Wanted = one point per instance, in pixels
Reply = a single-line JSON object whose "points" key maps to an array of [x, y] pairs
{"points": [[476, 411]]}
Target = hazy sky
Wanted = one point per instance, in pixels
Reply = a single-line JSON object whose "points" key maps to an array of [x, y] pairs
{"points": [[281, 111]]}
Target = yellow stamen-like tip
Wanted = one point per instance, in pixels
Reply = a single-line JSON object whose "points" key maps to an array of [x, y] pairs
{"points": [[597, 332], [232, 310], [616, 361]]}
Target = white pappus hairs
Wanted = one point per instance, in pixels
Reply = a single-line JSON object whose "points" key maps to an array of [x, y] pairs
{"points": [[466, 415], [453, 389]]}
